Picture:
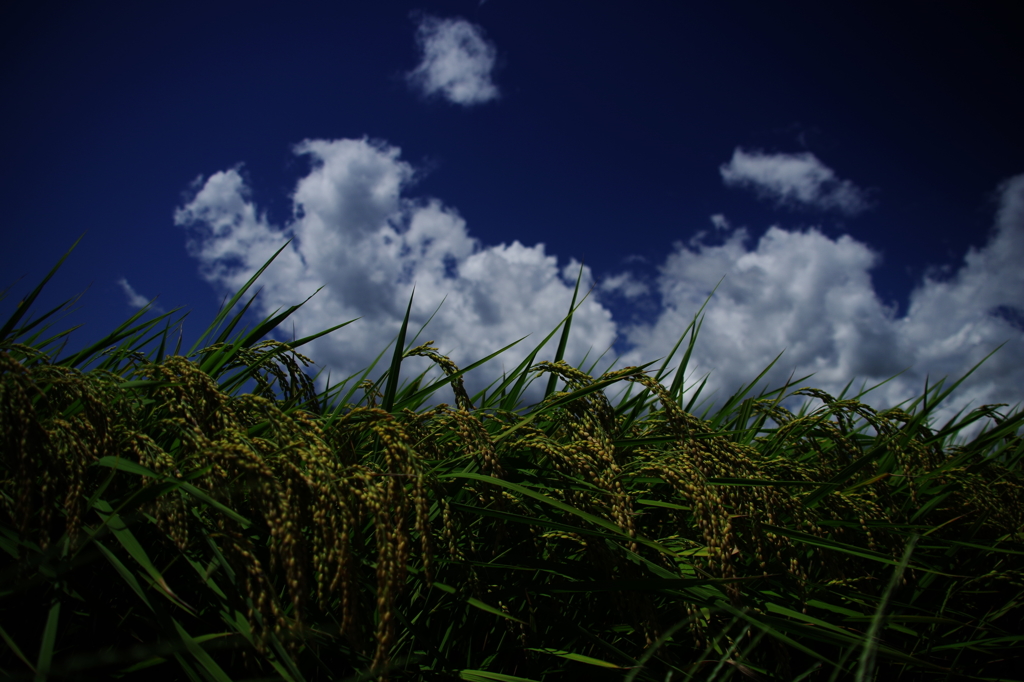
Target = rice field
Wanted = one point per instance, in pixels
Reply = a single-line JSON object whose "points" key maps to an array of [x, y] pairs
{"points": [[156, 521]]}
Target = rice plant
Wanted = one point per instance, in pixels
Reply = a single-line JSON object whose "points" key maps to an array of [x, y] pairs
{"points": [[157, 521]]}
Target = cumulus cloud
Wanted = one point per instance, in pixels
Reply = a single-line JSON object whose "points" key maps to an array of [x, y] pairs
{"points": [[800, 292], [456, 62], [356, 234], [811, 296], [793, 179]]}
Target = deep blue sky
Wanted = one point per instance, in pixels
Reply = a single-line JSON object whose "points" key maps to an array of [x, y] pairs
{"points": [[608, 134]]}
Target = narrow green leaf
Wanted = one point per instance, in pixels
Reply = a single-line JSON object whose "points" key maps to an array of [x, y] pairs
{"points": [[596, 520], [204, 659], [840, 547], [473, 601], [14, 647], [486, 676], [227, 308], [929, 505], [659, 503], [484, 606], [134, 548], [852, 615], [123, 571], [564, 339], [283, 663], [231, 385], [865, 669], [26, 303], [772, 632], [644, 584], [575, 395], [429, 390], [782, 610], [396, 360], [46, 646], [580, 658], [1018, 639], [529, 520], [132, 467]]}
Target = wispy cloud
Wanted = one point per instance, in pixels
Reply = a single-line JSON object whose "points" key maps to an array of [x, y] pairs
{"points": [[624, 284], [357, 232], [793, 179], [456, 61], [135, 299]]}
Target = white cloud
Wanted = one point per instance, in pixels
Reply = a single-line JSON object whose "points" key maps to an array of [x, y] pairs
{"points": [[720, 222], [135, 299], [624, 284], [354, 233], [801, 292], [456, 61], [793, 179], [812, 296]]}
